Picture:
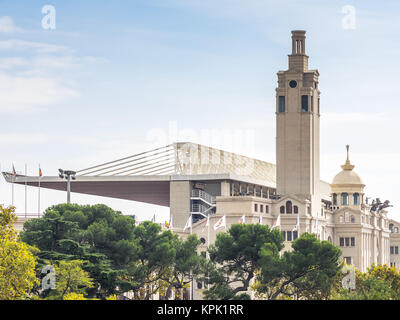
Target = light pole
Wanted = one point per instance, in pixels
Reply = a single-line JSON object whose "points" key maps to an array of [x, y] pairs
{"points": [[68, 175]]}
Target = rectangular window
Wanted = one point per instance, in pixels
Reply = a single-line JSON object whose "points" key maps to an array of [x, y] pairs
{"points": [[266, 209], [304, 103], [353, 241], [284, 235], [295, 235], [347, 242], [255, 207], [391, 250], [341, 242], [312, 103], [347, 260], [289, 235], [281, 103], [396, 250], [261, 208]]}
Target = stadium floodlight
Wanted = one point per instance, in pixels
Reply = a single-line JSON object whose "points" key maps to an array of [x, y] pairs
{"points": [[68, 175]]}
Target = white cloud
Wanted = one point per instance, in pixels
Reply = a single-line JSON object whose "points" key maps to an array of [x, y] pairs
{"points": [[7, 25], [39, 47], [333, 118], [22, 138], [34, 81], [29, 93], [13, 62]]}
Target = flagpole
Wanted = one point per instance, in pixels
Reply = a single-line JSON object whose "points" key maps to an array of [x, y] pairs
{"points": [[298, 227], [191, 275], [26, 189], [12, 192], [12, 189], [208, 243], [39, 194], [208, 231]]}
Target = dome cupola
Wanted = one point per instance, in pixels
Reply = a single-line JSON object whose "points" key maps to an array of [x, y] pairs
{"points": [[347, 186]]}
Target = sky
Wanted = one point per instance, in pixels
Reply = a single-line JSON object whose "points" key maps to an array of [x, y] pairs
{"points": [[115, 78]]}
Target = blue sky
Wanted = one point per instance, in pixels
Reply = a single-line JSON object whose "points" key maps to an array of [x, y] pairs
{"points": [[114, 77]]}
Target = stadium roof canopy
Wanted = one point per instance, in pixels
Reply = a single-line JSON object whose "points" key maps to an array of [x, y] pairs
{"points": [[146, 176]]}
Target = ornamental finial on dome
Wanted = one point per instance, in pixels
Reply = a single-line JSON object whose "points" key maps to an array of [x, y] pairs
{"points": [[347, 165]]}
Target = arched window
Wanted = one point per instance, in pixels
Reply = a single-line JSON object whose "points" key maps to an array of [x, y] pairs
{"points": [[356, 199], [352, 219], [396, 230], [282, 209], [345, 199], [341, 219], [391, 227], [295, 209], [203, 241], [330, 239], [288, 206], [335, 199]]}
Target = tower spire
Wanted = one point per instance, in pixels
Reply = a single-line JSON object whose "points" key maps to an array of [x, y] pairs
{"points": [[297, 126], [347, 165], [298, 60]]}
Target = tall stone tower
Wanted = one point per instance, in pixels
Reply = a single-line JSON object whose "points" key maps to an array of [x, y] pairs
{"points": [[297, 126]]}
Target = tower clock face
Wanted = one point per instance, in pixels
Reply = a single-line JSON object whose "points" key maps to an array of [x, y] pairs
{"points": [[293, 84]]}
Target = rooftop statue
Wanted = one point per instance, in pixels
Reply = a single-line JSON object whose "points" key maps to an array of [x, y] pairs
{"points": [[377, 205]]}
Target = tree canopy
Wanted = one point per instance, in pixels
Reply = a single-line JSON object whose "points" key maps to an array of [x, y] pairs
{"points": [[380, 282], [17, 261], [306, 271], [252, 253], [235, 258], [118, 255]]}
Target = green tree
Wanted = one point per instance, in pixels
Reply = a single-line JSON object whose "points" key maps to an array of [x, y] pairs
{"points": [[17, 261], [186, 265], [71, 278], [68, 232], [380, 282], [307, 271], [155, 253], [235, 259], [118, 255]]}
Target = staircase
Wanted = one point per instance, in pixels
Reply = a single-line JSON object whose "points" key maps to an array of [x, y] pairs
{"points": [[201, 202]]}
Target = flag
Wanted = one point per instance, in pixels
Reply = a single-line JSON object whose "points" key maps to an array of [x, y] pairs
{"points": [[220, 223], [14, 172], [260, 219], [316, 227], [297, 226], [207, 223], [40, 172], [188, 223], [277, 222], [242, 219]]}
